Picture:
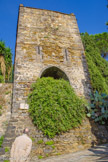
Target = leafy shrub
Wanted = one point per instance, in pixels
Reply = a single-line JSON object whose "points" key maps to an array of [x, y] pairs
{"points": [[1, 79], [54, 107], [1, 140], [95, 46], [6, 52], [98, 109], [49, 142]]}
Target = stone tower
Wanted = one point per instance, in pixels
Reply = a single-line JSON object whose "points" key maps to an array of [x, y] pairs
{"points": [[48, 44]]}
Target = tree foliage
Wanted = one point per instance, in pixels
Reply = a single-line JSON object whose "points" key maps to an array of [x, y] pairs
{"points": [[54, 107], [5, 62], [101, 41], [94, 46]]}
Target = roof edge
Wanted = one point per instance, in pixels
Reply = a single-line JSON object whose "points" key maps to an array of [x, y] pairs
{"points": [[71, 14]]}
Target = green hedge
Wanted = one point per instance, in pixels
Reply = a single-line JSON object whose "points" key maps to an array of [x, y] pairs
{"points": [[97, 66], [54, 107]]}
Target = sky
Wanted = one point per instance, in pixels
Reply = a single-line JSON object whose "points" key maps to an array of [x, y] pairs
{"points": [[91, 15]]}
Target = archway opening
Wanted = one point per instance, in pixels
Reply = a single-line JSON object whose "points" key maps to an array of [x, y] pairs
{"points": [[54, 72]]}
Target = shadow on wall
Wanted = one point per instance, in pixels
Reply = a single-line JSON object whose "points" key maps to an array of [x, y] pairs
{"points": [[86, 83]]}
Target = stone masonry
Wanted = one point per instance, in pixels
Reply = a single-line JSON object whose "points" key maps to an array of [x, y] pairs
{"points": [[5, 106], [49, 44]]}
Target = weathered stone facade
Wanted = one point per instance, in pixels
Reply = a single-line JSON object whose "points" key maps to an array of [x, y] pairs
{"points": [[48, 44], [5, 106]]}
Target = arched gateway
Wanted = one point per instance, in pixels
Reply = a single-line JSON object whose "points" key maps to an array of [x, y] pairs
{"points": [[54, 72], [48, 44]]}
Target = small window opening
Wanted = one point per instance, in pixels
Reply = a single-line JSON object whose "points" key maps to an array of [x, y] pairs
{"points": [[38, 50], [66, 54]]}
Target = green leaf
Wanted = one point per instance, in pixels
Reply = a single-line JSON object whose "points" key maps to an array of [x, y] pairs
{"points": [[89, 115]]}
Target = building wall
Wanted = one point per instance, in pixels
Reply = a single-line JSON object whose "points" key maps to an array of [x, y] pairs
{"points": [[5, 106], [45, 39], [49, 39]]}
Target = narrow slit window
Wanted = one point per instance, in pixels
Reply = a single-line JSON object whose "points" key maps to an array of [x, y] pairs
{"points": [[39, 50], [66, 54]]}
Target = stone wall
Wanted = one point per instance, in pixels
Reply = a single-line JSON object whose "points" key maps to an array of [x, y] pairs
{"points": [[5, 106], [87, 135], [47, 39]]}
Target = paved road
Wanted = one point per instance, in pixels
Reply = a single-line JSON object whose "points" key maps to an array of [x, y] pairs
{"points": [[96, 154]]}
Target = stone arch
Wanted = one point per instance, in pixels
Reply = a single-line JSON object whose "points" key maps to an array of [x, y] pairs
{"points": [[54, 72]]}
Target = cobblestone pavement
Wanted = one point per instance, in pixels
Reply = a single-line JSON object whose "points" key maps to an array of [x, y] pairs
{"points": [[96, 154]]}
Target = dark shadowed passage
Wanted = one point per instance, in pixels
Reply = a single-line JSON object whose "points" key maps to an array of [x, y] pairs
{"points": [[54, 72]]}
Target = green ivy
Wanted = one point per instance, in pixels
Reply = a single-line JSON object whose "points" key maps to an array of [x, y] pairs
{"points": [[95, 47], [54, 107]]}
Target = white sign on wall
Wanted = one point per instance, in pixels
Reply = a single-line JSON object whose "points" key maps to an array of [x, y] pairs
{"points": [[24, 106]]}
